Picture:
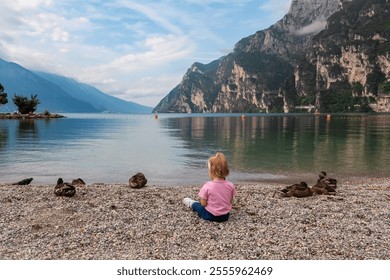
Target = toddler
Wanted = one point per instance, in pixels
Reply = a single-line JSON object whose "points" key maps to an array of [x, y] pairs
{"points": [[216, 195]]}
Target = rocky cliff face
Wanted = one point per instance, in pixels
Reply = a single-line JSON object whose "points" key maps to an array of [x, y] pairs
{"points": [[348, 65], [294, 64]]}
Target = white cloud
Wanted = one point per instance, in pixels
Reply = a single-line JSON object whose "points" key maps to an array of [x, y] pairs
{"points": [[152, 14], [148, 90], [157, 52], [59, 35], [137, 50], [30, 4], [209, 2], [315, 27], [152, 85], [276, 7]]}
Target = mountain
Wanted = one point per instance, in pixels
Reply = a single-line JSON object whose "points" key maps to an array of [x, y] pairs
{"points": [[16, 79], [281, 69], [347, 67], [59, 94], [99, 100]]}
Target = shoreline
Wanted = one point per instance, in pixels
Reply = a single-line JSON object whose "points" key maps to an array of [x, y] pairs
{"points": [[32, 116], [278, 178], [113, 221]]}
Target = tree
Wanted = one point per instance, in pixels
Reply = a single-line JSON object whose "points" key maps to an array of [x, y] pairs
{"points": [[384, 88], [3, 96], [25, 105]]}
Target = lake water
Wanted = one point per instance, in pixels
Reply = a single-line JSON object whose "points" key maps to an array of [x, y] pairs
{"points": [[173, 149]]}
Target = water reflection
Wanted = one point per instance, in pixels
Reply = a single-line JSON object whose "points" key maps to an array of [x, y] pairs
{"points": [[43, 148], [303, 143], [173, 149], [27, 129], [3, 138]]}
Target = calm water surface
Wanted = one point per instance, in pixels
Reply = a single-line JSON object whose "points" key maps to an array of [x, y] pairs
{"points": [[173, 149]]}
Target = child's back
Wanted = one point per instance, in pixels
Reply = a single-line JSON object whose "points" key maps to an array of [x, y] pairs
{"points": [[215, 196]]}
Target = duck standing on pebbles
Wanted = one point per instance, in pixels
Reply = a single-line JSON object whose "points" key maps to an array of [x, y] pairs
{"points": [[138, 181], [64, 189], [325, 185], [296, 190]]}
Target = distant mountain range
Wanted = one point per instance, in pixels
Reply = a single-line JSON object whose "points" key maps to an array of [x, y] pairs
{"points": [[60, 94]]}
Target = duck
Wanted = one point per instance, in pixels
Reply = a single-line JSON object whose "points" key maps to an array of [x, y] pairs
{"points": [[325, 185], [297, 190], [325, 179], [24, 182], [64, 189], [78, 182], [138, 181]]}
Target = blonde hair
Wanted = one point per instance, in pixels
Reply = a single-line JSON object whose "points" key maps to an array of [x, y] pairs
{"points": [[218, 166]]}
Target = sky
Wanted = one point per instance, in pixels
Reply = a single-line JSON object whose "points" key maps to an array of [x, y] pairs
{"points": [[135, 50]]}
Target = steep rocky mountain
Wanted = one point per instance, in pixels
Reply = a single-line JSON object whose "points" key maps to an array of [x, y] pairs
{"points": [[59, 94], [276, 69], [347, 67]]}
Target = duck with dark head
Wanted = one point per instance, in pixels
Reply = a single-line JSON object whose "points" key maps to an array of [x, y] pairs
{"points": [[325, 185], [64, 189]]}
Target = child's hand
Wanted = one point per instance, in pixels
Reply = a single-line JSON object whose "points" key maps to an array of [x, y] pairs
{"points": [[203, 202]]}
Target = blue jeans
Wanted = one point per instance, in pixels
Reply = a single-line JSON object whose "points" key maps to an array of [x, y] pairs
{"points": [[206, 215]]}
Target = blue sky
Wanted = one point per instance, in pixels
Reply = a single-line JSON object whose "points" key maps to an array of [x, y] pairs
{"points": [[134, 50]]}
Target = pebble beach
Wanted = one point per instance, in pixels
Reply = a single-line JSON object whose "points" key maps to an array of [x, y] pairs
{"points": [[114, 221]]}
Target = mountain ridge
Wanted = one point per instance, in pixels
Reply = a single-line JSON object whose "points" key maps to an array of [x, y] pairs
{"points": [[237, 83], [60, 94], [275, 70], [93, 96]]}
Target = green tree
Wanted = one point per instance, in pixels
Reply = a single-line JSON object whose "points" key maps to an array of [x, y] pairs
{"points": [[25, 105], [384, 88], [3, 96], [376, 78]]}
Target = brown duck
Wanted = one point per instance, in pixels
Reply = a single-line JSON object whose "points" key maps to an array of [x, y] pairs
{"points": [[64, 189], [138, 181], [296, 190], [325, 185], [78, 182]]}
